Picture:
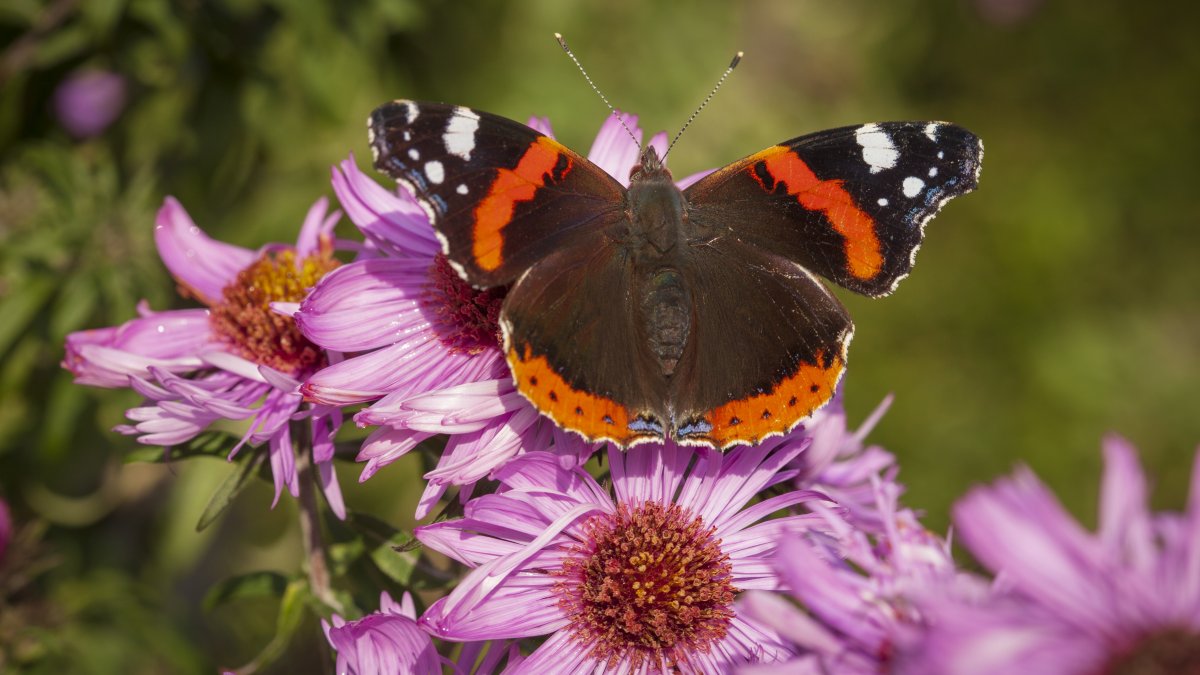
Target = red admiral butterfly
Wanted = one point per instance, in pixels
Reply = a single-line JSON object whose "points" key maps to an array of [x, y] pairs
{"points": [[639, 314]]}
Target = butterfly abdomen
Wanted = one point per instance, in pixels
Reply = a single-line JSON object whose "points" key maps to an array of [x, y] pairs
{"points": [[664, 308]]}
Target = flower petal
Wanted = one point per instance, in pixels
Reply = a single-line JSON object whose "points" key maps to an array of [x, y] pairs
{"points": [[392, 220], [197, 261]]}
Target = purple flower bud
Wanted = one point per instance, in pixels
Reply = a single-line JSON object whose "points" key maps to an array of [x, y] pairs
{"points": [[87, 102]]}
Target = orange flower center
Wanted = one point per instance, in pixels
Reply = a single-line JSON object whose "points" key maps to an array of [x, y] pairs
{"points": [[649, 584], [246, 323]]}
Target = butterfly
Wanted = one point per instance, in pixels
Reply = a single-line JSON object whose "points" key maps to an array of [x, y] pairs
{"points": [[648, 313]]}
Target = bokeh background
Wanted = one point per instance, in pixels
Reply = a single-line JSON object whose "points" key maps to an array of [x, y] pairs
{"points": [[1056, 304]]}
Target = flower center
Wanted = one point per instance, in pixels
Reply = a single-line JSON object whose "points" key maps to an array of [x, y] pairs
{"points": [[1175, 651], [468, 319], [245, 321], [649, 583]]}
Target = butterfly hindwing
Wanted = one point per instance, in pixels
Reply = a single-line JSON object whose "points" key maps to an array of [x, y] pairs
{"points": [[849, 204], [500, 195], [767, 346], [576, 347]]}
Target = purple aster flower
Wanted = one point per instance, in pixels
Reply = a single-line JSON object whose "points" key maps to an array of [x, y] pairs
{"points": [[838, 462], [1122, 601], [857, 584], [87, 102], [425, 343], [240, 358], [641, 578], [391, 641], [388, 641]]}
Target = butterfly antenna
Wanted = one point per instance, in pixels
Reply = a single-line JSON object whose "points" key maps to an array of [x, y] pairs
{"points": [[563, 43], [737, 58]]}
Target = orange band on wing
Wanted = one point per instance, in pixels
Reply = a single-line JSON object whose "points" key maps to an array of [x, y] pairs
{"points": [[863, 251], [511, 186], [751, 419], [593, 416]]}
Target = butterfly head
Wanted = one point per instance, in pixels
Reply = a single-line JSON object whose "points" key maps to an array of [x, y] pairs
{"points": [[649, 167]]}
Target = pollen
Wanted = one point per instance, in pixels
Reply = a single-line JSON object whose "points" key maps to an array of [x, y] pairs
{"points": [[648, 585], [466, 319], [245, 321]]}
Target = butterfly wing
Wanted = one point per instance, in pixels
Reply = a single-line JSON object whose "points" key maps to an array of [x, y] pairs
{"points": [[576, 347], [849, 204], [767, 346], [500, 195]]}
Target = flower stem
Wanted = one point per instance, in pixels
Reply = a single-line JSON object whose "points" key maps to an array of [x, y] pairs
{"points": [[315, 564]]}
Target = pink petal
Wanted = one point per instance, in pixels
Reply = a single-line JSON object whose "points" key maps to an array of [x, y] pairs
{"points": [[393, 220], [614, 150], [315, 228], [367, 304], [107, 357], [197, 261], [541, 125]]}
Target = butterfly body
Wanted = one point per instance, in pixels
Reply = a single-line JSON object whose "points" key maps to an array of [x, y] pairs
{"points": [[648, 313]]}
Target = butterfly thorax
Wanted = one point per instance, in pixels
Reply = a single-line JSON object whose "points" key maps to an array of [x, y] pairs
{"points": [[656, 213], [655, 210]]}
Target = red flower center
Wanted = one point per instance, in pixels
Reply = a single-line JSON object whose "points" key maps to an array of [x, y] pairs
{"points": [[246, 323], [466, 319], [649, 584], [1174, 651]]}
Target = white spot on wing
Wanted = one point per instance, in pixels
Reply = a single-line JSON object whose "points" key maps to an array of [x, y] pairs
{"points": [[932, 171], [435, 172], [912, 186], [414, 154], [941, 154], [878, 150], [883, 202], [461, 189], [410, 111], [931, 131], [407, 136], [460, 132]]}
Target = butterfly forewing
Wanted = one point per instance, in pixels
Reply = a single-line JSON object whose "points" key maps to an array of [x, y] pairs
{"points": [[849, 204], [500, 195]]}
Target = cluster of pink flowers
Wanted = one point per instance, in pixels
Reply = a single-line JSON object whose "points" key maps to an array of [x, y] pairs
{"points": [[793, 555]]}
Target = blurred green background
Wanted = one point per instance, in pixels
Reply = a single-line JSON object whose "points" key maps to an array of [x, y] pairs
{"points": [[1057, 303]]}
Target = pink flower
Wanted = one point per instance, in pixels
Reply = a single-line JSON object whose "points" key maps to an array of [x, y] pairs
{"points": [[239, 358], [1066, 601], [858, 581], [425, 343], [839, 463], [639, 578], [386, 642], [391, 641]]}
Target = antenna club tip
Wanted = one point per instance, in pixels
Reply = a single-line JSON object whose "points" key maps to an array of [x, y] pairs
{"points": [[737, 58], [558, 36]]}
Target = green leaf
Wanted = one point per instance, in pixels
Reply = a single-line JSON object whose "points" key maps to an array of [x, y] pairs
{"points": [[232, 486], [394, 552], [207, 444], [296, 598], [20, 308], [251, 585], [343, 555]]}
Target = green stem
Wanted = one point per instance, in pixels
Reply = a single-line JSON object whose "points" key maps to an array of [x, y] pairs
{"points": [[315, 564]]}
